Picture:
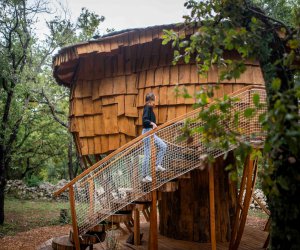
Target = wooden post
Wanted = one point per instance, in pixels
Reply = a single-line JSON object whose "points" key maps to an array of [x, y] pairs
{"points": [[153, 234], [73, 215], [136, 227], [212, 208]]}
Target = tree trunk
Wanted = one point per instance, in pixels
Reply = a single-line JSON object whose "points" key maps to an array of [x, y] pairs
{"points": [[184, 214], [70, 160], [2, 183]]}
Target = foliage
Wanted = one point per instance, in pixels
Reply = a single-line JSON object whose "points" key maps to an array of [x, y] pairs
{"points": [[251, 31], [32, 143]]}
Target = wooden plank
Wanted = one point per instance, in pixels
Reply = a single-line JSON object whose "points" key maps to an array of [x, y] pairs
{"points": [[130, 106], [87, 106], [166, 76], [78, 106], [81, 126], [99, 67], [142, 79], [84, 146], [86, 89], [73, 125], [150, 78], [73, 216], [110, 120], [180, 110], [121, 65], [162, 114], [139, 120], [104, 143], [122, 139], [89, 125], [171, 112], [147, 55], [113, 142], [213, 76], [91, 198], [137, 227], [107, 67], [257, 75], [158, 76], [127, 60], [131, 84], [106, 87], [99, 125], [247, 76], [163, 95], [212, 209], [191, 91], [91, 147], [228, 89], [78, 89], [120, 100], [97, 106], [97, 143], [184, 74], [95, 89], [171, 96], [126, 125], [174, 75], [140, 98], [108, 100], [119, 85]]}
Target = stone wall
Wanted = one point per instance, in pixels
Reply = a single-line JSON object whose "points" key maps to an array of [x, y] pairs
{"points": [[44, 191]]}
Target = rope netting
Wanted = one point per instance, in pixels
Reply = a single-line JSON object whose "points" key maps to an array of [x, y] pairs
{"points": [[117, 182]]}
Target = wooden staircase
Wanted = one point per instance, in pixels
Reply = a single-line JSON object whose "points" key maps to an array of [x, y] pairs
{"points": [[122, 169]]}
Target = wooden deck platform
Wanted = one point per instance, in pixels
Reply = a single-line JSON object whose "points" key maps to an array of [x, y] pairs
{"points": [[253, 239]]}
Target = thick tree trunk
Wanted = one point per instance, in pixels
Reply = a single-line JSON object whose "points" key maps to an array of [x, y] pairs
{"points": [[184, 214]]}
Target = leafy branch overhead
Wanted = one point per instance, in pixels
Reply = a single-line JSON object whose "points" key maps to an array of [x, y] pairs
{"points": [[228, 34]]}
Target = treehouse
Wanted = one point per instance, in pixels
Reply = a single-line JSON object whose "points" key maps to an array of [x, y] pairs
{"points": [[108, 80]]}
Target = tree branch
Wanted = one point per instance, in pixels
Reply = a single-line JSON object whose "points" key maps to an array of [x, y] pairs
{"points": [[52, 109]]}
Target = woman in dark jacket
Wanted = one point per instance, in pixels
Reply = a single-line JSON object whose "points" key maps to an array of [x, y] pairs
{"points": [[149, 122]]}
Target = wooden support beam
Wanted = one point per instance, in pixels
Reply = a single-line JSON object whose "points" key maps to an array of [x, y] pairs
{"points": [[153, 234], [73, 215], [137, 239], [212, 208]]}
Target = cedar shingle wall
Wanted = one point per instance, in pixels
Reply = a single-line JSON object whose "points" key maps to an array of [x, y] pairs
{"points": [[108, 95]]}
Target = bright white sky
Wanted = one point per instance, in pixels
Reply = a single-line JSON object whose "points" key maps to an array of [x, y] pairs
{"points": [[125, 14]]}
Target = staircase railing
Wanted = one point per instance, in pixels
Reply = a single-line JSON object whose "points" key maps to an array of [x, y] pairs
{"points": [[116, 181]]}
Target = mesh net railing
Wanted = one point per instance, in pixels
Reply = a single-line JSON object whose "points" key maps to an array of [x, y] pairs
{"points": [[117, 182]]}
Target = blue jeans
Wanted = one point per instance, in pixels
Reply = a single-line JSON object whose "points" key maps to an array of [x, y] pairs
{"points": [[160, 145]]}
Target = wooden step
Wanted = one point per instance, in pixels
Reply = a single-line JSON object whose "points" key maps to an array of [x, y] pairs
{"points": [[62, 243], [170, 186], [185, 176], [120, 217]]}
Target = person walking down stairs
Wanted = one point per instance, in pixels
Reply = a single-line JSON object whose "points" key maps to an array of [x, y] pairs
{"points": [[149, 122]]}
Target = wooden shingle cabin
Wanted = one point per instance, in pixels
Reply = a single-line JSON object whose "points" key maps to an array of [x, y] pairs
{"points": [[108, 80]]}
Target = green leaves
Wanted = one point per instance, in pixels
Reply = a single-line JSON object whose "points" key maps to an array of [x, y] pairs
{"points": [[276, 83], [249, 112]]}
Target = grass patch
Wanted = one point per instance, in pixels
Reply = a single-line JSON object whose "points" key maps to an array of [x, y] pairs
{"points": [[258, 214], [23, 215]]}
